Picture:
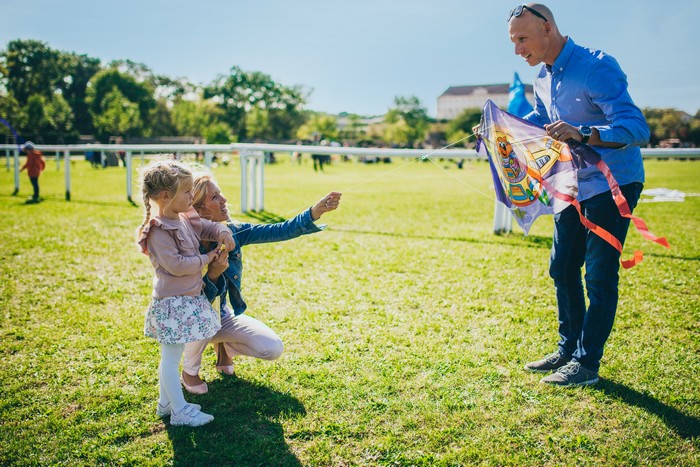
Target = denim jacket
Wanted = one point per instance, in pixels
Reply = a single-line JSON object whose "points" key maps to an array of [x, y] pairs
{"points": [[229, 283]]}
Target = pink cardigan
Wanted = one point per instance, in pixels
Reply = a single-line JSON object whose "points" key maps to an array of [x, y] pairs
{"points": [[173, 248]]}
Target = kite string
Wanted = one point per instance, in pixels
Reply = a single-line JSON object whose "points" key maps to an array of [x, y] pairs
{"points": [[425, 157], [383, 174]]}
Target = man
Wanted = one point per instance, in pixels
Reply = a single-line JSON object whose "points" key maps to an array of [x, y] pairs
{"points": [[581, 94]]}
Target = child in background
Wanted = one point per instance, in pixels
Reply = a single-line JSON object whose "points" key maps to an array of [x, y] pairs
{"points": [[179, 312], [34, 164]]}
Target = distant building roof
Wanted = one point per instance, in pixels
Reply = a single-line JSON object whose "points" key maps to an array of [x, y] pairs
{"points": [[482, 89]]}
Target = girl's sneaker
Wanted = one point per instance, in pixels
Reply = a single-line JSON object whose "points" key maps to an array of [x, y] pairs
{"points": [[190, 416], [164, 410]]}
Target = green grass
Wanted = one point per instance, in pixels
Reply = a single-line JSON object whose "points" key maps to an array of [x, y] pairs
{"points": [[406, 325]]}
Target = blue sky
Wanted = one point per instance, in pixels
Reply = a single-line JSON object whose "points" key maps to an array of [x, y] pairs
{"points": [[358, 55]]}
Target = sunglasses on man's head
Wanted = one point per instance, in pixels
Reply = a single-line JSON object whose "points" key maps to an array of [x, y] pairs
{"points": [[518, 10]]}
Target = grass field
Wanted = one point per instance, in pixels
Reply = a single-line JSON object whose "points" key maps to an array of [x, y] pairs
{"points": [[406, 324]]}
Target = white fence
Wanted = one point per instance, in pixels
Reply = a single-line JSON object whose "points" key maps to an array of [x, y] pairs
{"points": [[252, 160]]}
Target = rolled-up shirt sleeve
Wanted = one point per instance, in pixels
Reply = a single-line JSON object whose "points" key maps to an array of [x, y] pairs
{"points": [[607, 85], [213, 289]]}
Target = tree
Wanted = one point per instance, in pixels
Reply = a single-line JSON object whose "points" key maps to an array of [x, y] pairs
{"points": [[31, 67], [694, 130], [461, 126], [241, 91], [319, 125], [257, 122], [117, 115], [201, 118], [160, 119], [37, 123], [354, 130], [59, 119], [49, 119], [127, 102], [79, 69], [407, 122], [666, 123], [12, 112], [218, 133]]}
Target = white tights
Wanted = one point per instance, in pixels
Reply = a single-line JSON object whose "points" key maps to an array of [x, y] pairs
{"points": [[169, 372]]}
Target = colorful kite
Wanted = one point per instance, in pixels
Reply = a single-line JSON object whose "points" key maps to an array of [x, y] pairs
{"points": [[534, 174]]}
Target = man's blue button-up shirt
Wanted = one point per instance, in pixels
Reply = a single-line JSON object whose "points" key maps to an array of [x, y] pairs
{"points": [[588, 87]]}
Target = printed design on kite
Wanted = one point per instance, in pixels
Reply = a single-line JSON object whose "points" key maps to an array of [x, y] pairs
{"points": [[540, 154]]}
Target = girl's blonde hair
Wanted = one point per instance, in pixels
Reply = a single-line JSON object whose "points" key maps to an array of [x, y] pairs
{"points": [[157, 177]]}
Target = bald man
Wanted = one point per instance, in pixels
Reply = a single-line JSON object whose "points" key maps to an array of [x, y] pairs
{"points": [[581, 94]]}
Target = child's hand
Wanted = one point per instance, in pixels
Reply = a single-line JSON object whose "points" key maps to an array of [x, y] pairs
{"points": [[214, 255], [217, 265], [226, 243], [330, 202]]}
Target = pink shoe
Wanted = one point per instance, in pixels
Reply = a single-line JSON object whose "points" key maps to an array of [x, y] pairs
{"points": [[198, 389], [225, 369]]}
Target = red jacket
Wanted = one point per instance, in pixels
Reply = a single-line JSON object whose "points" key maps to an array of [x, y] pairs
{"points": [[35, 163]]}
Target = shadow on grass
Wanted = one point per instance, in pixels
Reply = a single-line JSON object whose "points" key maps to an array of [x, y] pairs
{"points": [[531, 241], [61, 198], [686, 426], [243, 431]]}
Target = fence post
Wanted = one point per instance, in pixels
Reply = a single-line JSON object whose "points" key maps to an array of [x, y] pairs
{"points": [[66, 157], [244, 180], [260, 183], [16, 172], [253, 172], [128, 177], [502, 220]]}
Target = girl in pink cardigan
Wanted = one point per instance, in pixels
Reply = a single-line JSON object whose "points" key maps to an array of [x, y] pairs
{"points": [[179, 312]]}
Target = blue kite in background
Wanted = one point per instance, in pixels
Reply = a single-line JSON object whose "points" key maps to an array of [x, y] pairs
{"points": [[518, 104]]}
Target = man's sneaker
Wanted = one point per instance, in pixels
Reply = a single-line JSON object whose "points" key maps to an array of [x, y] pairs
{"points": [[551, 362], [190, 416], [164, 410], [572, 374]]}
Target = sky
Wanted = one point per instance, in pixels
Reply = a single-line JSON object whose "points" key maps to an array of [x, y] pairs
{"points": [[357, 55]]}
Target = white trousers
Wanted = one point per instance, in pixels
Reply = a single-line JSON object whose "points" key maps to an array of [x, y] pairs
{"points": [[240, 335]]}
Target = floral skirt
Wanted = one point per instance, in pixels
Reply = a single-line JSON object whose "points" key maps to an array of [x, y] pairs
{"points": [[182, 319]]}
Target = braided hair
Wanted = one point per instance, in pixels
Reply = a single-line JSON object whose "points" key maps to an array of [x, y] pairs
{"points": [[157, 177]]}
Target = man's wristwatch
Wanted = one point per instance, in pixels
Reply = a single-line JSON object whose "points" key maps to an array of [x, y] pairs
{"points": [[585, 132]]}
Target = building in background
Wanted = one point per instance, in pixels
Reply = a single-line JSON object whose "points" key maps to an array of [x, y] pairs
{"points": [[457, 98]]}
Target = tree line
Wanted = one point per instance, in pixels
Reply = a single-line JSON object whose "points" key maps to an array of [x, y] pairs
{"points": [[52, 96]]}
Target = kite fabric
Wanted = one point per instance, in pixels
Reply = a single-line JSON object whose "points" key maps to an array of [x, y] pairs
{"points": [[534, 174], [513, 145]]}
